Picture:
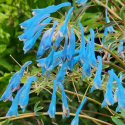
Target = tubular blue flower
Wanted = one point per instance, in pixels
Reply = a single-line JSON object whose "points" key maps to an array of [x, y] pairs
{"points": [[28, 34], [97, 79], [52, 106], [92, 59], [121, 94], [116, 91], [41, 50], [86, 69], [29, 43], [75, 121], [61, 74], [65, 107], [64, 51], [71, 64], [51, 9], [108, 99], [24, 96], [63, 28], [13, 110], [71, 47], [110, 28], [46, 62], [82, 53], [14, 83], [57, 42], [46, 45]]}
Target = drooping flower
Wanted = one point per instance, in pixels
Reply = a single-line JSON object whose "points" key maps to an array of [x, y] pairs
{"points": [[46, 45], [110, 28], [28, 34], [82, 53], [75, 121], [116, 91], [71, 64], [46, 62], [86, 68], [108, 99], [13, 110], [61, 74], [92, 58], [62, 30], [29, 43], [64, 51], [121, 94], [41, 50], [71, 47], [24, 96], [51, 9], [14, 83], [52, 106], [65, 107], [97, 79]]}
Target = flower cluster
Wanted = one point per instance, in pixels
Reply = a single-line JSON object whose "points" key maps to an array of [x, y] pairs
{"points": [[67, 58]]}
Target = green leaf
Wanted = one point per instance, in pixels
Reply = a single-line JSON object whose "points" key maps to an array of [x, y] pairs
{"points": [[122, 14], [36, 109], [111, 40], [6, 122], [117, 121], [2, 48]]}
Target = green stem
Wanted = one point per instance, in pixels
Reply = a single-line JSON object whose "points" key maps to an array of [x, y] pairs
{"points": [[115, 56], [60, 113], [113, 13], [95, 102], [119, 2]]}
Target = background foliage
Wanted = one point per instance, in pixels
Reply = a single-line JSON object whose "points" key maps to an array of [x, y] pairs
{"points": [[12, 13]]}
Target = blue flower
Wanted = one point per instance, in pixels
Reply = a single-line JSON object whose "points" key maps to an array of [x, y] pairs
{"points": [[61, 74], [46, 45], [71, 47], [13, 110], [92, 59], [28, 34], [75, 121], [63, 28], [50, 9], [110, 28], [121, 94], [71, 64], [82, 53], [64, 51], [86, 69], [108, 99], [97, 79], [24, 96], [52, 106], [66, 111], [41, 50], [46, 62], [116, 91], [29, 43], [14, 83]]}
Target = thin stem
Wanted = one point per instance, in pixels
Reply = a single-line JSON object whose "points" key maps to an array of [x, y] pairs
{"points": [[113, 13], [15, 60], [115, 56], [60, 113]]}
